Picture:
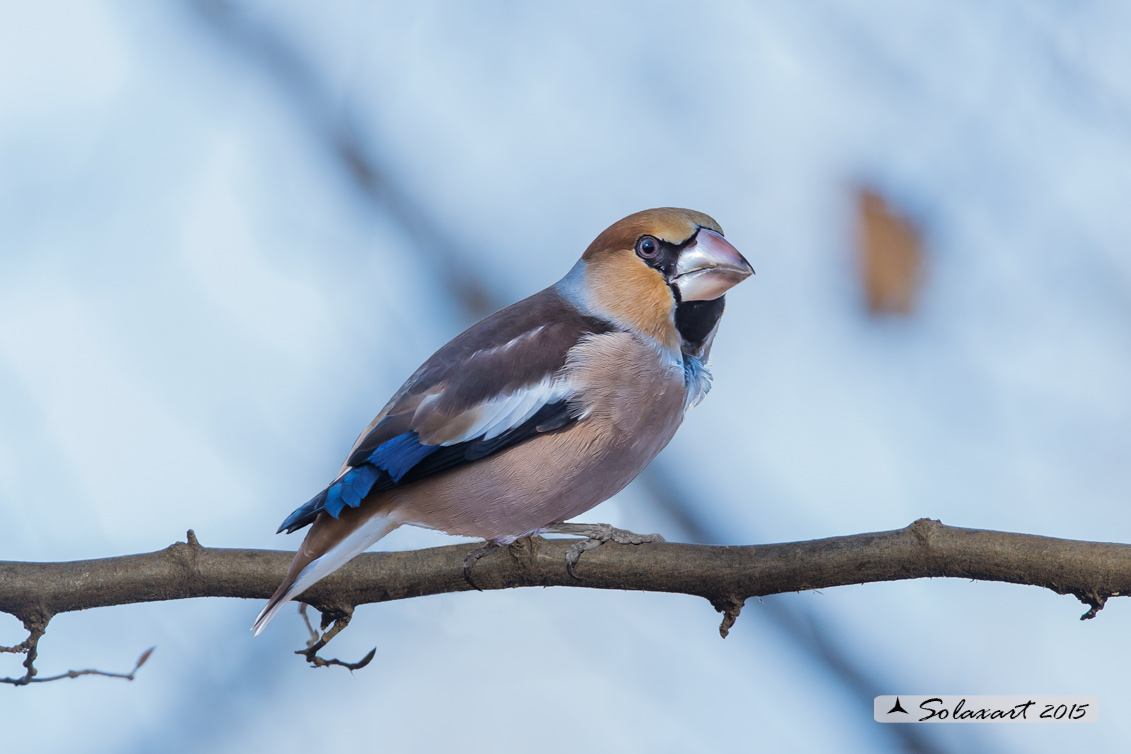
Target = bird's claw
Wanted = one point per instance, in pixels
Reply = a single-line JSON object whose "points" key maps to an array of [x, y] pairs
{"points": [[473, 557], [595, 536], [573, 554]]}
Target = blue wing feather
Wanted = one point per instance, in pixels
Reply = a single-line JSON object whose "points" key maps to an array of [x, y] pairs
{"points": [[404, 459], [400, 454], [384, 468]]}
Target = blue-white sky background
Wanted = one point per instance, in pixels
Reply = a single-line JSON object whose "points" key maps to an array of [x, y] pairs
{"points": [[201, 306]]}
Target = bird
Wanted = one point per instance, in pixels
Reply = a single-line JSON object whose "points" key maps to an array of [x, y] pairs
{"points": [[541, 410]]}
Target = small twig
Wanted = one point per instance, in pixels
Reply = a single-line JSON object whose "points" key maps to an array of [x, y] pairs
{"points": [[20, 648], [324, 662], [314, 637], [29, 677], [36, 628], [341, 618]]}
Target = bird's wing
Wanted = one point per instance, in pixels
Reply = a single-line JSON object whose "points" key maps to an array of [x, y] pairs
{"points": [[496, 385]]}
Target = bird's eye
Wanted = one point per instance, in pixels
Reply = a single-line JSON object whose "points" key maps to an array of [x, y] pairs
{"points": [[647, 247]]}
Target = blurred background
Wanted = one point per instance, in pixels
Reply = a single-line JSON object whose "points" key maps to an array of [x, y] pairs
{"points": [[232, 229]]}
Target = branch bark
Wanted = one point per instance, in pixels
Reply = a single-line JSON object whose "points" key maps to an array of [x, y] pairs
{"points": [[725, 576]]}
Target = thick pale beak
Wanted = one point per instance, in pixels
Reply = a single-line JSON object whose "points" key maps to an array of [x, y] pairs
{"points": [[709, 267]]}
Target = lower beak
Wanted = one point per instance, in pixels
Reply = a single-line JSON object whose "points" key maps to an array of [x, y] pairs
{"points": [[709, 267]]}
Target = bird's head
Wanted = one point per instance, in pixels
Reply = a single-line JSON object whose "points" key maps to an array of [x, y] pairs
{"points": [[643, 269]]}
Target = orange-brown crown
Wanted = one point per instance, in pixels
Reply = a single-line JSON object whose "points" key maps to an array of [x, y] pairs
{"points": [[669, 224]]}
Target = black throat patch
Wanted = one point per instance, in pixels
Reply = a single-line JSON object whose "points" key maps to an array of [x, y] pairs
{"points": [[696, 319]]}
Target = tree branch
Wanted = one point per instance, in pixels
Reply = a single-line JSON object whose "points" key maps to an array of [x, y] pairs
{"points": [[725, 576]]}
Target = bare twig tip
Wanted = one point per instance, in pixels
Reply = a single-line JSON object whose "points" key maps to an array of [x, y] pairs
{"points": [[1095, 601], [144, 656], [730, 607]]}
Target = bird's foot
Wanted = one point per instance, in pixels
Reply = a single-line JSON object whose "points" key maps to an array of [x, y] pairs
{"points": [[474, 556], [596, 535]]}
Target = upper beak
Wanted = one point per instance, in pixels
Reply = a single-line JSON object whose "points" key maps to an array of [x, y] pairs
{"points": [[709, 267]]}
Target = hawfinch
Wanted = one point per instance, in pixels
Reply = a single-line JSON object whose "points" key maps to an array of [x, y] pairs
{"points": [[540, 411]]}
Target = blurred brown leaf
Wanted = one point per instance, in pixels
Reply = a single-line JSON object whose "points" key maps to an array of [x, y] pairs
{"points": [[891, 256]]}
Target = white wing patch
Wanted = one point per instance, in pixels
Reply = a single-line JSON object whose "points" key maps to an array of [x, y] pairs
{"points": [[509, 344], [508, 411]]}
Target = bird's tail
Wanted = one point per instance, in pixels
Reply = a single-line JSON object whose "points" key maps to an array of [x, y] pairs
{"points": [[305, 572]]}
